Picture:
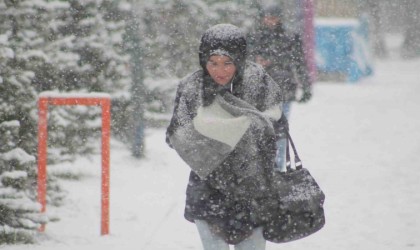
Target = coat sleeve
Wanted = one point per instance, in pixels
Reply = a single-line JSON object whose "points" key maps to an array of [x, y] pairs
{"points": [[301, 67], [183, 110], [273, 95]]}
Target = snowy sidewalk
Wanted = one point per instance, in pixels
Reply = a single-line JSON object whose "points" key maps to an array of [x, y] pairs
{"points": [[361, 142]]}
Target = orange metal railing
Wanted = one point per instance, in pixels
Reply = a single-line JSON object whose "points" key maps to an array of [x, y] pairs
{"points": [[59, 100]]}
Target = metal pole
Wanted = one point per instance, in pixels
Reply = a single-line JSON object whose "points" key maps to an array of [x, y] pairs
{"points": [[106, 121], [42, 154]]}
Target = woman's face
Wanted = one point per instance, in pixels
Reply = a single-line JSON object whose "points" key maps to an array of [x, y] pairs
{"points": [[221, 69]]}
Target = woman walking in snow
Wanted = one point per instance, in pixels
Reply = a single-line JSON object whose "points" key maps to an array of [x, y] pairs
{"points": [[223, 127]]}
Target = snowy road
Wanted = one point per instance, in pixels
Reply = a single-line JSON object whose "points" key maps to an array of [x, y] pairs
{"points": [[360, 141]]}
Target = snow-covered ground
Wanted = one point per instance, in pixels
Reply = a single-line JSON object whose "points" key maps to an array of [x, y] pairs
{"points": [[361, 142]]}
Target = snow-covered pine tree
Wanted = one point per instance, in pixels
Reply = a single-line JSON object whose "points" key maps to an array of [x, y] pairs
{"points": [[17, 94], [68, 46], [90, 31], [87, 55], [50, 45], [20, 214]]}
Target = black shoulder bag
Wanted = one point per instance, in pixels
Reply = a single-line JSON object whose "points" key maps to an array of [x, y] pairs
{"points": [[300, 212]]}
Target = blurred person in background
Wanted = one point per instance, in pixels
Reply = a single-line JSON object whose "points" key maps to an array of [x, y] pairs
{"points": [[411, 44], [374, 8], [282, 56]]}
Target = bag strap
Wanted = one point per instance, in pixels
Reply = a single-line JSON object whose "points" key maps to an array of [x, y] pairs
{"points": [[298, 162]]}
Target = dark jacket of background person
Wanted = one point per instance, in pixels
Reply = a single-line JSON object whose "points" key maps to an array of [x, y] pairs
{"points": [[230, 199], [285, 52]]}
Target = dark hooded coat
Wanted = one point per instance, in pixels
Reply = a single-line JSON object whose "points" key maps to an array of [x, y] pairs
{"points": [[231, 198]]}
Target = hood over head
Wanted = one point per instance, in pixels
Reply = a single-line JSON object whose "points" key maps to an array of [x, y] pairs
{"points": [[227, 40], [223, 39]]}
